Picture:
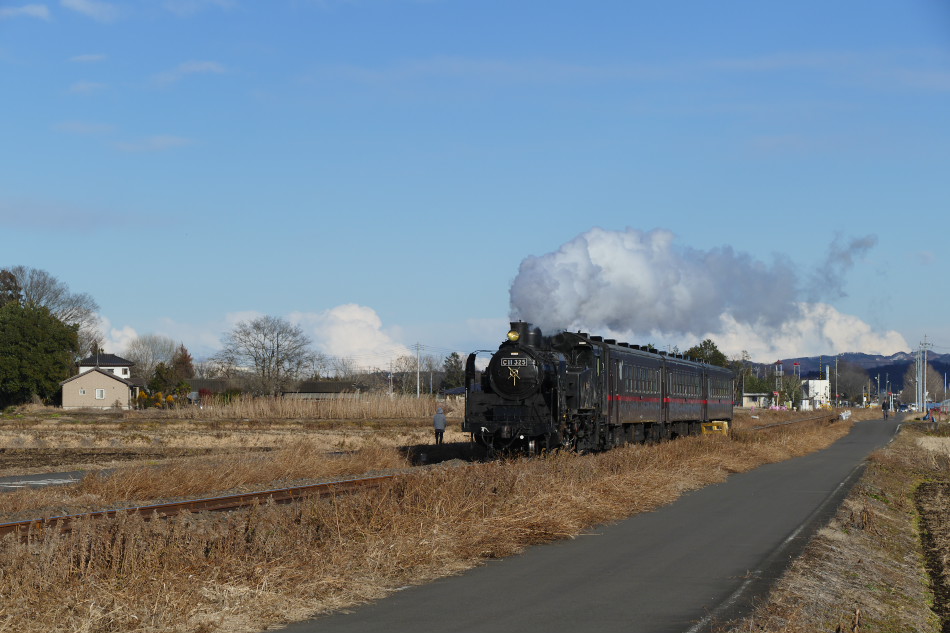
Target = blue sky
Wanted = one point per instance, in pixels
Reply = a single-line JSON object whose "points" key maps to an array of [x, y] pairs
{"points": [[386, 172]]}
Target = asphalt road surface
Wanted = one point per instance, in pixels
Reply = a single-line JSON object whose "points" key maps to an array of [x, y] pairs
{"points": [[683, 568]]}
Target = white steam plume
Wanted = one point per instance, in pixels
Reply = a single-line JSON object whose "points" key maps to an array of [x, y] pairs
{"points": [[640, 284]]}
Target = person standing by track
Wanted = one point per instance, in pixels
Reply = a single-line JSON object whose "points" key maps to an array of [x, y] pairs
{"points": [[438, 422]]}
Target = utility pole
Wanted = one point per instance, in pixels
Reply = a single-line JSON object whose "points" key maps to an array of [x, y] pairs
{"points": [[922, 376], [836, 381], [778, 379], [418, 367]]}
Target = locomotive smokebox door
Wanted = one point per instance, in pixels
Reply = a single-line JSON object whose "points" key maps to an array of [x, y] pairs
{"points": [[514, 374]]}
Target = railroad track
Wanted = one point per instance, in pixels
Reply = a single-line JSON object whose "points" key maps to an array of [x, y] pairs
{"points": [[31, 529], [35, 528]]}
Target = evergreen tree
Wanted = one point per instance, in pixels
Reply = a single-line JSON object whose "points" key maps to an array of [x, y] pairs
{"points": [[708, 352], [454, 371], [183, 365], [36, 353], [163, 379], [10, 291]]}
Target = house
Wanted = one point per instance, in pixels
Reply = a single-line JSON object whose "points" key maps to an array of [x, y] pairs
{"points": [[109, 362], [323, 390], [758, 400], [98, 388]]}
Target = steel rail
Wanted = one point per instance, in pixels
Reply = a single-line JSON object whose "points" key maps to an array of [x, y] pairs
{"points": [[36, 528]]}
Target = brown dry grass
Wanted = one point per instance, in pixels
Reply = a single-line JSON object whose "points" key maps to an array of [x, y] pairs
{"points": [[865, 571], [373, 407], [183, 478], [247, 570]]}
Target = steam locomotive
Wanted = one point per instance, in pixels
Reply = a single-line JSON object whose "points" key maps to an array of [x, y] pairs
{"points": [[587, 393]]}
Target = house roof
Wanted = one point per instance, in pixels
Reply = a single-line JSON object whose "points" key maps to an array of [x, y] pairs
{"points": [[108, 374], [105, 360], [325, 386]]}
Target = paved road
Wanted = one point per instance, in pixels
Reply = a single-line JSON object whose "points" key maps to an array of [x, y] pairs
{"points": [[681, 568]]}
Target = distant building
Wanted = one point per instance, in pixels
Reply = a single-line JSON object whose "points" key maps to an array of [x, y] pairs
{"points": [[98, 388], [759, 400], [323, 390], [108, 362], [815, 394]]}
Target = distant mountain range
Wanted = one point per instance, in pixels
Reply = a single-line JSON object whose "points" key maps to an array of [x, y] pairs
{"points": [[894, 366]]}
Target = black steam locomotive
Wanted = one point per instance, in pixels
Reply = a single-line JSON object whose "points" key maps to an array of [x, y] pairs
{"points": [[586, 393]]}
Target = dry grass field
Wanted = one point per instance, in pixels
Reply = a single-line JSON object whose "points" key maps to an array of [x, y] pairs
{"points": [[867, 571], [38, 439], [244, 571]]}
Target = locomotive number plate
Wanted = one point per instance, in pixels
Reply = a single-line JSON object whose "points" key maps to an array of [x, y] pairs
{"points": [[514, 362]]}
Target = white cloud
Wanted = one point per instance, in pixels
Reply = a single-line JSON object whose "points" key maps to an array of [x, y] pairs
{"points": [[86, 87], [88, 58], [29, 10], [84, 128], [821, 329], [115, 340], [100, 11], [57, 216], [153, 144], [203, 339], [188, 68], [351, 331], [186, 8]]}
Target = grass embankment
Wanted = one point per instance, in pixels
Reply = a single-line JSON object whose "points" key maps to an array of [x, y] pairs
{"points": [[867, 570], [246, 570]]}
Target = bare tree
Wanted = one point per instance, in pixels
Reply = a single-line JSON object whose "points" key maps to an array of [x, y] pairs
{"points": [[274, 349], [39, 288], [851, 381], [147, 351], [34, 287], [411, 373], [341, 367], [934, 384]]}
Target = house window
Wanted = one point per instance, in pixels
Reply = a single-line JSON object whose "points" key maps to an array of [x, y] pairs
{"points": [[125, 371], [100, 394], [82, 391]]}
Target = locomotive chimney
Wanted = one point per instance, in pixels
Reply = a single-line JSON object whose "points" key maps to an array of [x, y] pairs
{"points": [[522, 329], [525, 333]]}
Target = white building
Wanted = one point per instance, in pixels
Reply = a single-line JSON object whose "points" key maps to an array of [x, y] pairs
{"points": [[815, 394]]}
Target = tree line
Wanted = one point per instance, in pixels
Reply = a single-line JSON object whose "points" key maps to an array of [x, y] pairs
{"points": [[271, 354], [45, 329]]}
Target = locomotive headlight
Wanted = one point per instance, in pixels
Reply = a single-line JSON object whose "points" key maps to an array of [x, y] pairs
{"points": [[513, 336]]}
